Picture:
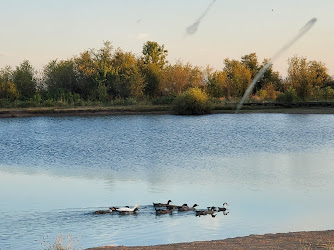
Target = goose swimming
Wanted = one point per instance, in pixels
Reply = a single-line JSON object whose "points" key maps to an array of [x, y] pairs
{"points": [[212, 208], [205, 212], [102, 212], [127, 209], [111, 210], [163, 211], [223, 208], [161, 204], [176, 206], [186, 208]]}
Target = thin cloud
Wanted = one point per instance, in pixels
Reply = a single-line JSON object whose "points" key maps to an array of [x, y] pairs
{"points": [[142, 36]]}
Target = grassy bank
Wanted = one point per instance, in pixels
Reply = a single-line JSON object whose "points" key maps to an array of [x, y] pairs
{"points": [[83, 111], [289, 108]]}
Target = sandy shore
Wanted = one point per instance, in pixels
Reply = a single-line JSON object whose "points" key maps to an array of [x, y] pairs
{"points": [[297, 240]]}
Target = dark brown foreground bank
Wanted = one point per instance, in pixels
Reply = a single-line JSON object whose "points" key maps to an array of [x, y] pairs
{"points": [[299, 240]]}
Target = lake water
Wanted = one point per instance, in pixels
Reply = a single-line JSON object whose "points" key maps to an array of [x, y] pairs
{"points": [[276, 171]]}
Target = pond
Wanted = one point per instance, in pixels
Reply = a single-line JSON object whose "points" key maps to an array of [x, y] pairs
{"points": [[276, 172]]}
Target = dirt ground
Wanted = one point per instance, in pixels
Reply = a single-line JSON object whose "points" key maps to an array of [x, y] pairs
{"points": [[298, 240]]}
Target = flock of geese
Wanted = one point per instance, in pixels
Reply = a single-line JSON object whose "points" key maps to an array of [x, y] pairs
{"points": [[167, 208]]}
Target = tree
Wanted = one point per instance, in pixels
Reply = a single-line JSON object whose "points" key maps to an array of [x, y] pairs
{"points": [[8, 89], [179, 77], [306, 76], [298, 77], [239, 77], [251, 62], [23, 77], [86, 71], [270, 78], [153, 61], [217, 84], [319, 74], [153, 53], [93, 67], [61, 75], [127, 80]]}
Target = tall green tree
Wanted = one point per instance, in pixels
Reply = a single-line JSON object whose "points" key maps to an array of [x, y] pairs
{"points": [[304, 76], [270, 77], [178, 77], [239, 77], [156, 54], [153, 62], [8, 89], [251, 62], [319, 74], [93, 67], [126, 79], [23, 77], [218, 84], [61, 75]]}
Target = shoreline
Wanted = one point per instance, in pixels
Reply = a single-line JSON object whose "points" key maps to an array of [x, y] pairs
{"points": [[291, 240], [153, 110], [82, 111]]}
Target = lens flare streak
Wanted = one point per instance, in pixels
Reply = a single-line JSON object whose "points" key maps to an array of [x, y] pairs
{"points": [[192, 29], [302, 32]]}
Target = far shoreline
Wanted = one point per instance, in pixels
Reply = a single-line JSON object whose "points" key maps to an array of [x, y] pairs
{"points": [[291, 240], [304, 108]]}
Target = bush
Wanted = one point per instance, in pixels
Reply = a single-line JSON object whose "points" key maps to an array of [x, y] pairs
{"points": [[290, 95], [5, 103], [124, 102], [49, 103], [164, 100], [192, 102]]}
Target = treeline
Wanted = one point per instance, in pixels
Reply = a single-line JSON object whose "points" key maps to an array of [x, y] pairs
{"points": [[108, 76]]}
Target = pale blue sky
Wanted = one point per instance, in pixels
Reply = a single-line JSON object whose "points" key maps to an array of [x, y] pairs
{"points": [[42, 30]]}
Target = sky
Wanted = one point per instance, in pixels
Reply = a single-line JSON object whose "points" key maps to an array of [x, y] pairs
{"points": [[44, 30]]}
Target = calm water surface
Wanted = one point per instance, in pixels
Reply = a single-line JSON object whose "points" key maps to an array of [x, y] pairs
{"points": [[276, 171]]}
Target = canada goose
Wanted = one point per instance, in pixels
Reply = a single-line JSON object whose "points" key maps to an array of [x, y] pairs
{"points": [[161, 204], [186, 208], [212, 208], [102, 212], [204, 212], [163, 211], [176, 206], [127, 209], [223, 208], [111, 209]]}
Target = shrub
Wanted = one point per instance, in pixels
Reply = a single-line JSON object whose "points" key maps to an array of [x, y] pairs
{"points": [[328, 94], [192, 102], [289, 95], [164, 100], [49, 103], [70, 243], [124, 102]]}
